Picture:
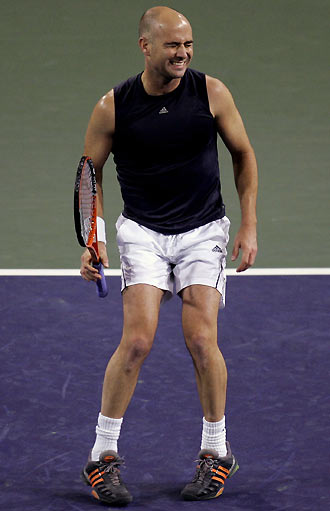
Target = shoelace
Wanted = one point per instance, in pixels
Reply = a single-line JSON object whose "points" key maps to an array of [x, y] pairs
{"points": [[204, 466], [113, 470]]}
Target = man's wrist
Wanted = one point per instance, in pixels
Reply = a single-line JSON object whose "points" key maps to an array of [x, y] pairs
{"points": [[249, 225], [100, 224]]}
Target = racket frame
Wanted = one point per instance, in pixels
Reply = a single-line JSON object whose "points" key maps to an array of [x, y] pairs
{"points": [[91, 244]]}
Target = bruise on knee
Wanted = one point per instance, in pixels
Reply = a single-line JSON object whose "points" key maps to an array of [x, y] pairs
{"points": [[135, 352], [200, 350]]}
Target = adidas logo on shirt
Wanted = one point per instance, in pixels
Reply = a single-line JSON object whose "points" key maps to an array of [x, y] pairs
{"points": [[216, 249], [163, 111]]}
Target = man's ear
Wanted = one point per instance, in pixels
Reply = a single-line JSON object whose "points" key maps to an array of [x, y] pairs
{"points": [[144, 46]]}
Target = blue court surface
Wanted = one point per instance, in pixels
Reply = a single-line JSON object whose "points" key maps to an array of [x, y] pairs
{"points": [[56, 338]]}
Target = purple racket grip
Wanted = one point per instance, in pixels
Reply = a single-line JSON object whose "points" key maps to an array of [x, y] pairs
{"points": [[101, 285]]}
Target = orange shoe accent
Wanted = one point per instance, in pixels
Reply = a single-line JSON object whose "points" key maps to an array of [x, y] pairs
{"points": [[217, 471], [95, 495], [98, 481], [96, 476], [221, 474], [108, 459], [225, 470], [219, 493], [93, 473], [218, 479]]}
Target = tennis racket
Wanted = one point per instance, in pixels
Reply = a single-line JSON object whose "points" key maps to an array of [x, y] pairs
{"points": [[85, 213]]}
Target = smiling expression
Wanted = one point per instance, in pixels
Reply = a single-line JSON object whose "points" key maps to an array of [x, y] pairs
{"points": [[168, 49]]}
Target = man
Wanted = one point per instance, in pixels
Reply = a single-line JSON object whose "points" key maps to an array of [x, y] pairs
{"points": [[162, 127]]}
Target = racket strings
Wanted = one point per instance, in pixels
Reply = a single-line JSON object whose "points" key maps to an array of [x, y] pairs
{"points": [[87, 209]]}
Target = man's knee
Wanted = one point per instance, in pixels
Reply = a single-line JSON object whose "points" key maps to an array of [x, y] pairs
{"points": [[201, 348], [135, 350]]}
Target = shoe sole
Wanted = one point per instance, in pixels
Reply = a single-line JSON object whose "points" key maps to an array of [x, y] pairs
{"points": [[220, 491], [118, 502]]}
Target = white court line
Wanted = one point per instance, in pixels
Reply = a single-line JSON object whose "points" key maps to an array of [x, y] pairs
{"points": [[279, 271], [231, 272], [48, 273]]}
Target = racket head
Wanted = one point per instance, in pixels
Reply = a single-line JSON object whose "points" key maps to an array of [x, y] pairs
{"points": [[85, 207]]}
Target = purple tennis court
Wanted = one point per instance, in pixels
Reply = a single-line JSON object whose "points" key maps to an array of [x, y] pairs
{"points": [[274, 334]]}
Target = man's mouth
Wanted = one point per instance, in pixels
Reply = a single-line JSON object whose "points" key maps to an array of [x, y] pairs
{"points": [[178, 63]]}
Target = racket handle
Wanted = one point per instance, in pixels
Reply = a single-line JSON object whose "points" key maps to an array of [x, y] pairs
{"points": [[101, 285]]}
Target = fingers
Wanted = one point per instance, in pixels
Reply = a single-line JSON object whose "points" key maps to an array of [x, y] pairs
{"points": [[235, 252], [248, 258], [246, 241], [243, 266], [87, 270]]}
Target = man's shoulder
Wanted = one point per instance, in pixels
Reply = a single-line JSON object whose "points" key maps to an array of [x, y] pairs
{"points": [[215, 85], [220, 98], [104, 108], [217, 91]]}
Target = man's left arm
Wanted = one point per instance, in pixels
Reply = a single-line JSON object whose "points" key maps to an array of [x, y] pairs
{"points": [[231, 129]]}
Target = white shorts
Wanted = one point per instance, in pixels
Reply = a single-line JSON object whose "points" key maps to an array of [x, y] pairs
{"points": [[161, 260]]}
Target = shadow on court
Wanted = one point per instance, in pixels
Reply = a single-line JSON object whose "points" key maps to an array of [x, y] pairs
{"points": [[56, 338]]}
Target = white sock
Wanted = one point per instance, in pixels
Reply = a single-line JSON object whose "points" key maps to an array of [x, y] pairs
{"points": [[107, 435], [214, 436]]}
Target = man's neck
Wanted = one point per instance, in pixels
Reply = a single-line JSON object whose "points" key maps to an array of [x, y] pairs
{"points": [[157, 86]]}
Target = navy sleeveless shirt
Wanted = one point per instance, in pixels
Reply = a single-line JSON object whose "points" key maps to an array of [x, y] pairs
{"points": [[165, 151]]}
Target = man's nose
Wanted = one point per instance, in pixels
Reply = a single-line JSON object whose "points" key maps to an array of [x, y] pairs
{"points": [[181, 51]]}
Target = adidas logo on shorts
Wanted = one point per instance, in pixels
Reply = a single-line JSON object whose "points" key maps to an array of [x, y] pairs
{"points": [[216, 249]]}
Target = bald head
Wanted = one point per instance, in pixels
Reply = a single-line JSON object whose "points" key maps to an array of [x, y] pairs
{"points": [[165, 39], [158, 18]]}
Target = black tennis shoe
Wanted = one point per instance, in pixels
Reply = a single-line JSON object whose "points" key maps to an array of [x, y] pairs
{"points": [[104, 478], [211, 474]]}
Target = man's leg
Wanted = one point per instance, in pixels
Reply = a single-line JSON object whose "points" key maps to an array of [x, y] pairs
{"points": [[141, 304], [141, 309], [200, 305]]}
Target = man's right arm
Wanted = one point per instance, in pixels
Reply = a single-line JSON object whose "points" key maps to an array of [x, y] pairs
{"points": [[98, 144]]}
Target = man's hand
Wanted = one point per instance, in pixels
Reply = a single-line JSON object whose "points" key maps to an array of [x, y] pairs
{"points": [[246, 239], [87, 270]]}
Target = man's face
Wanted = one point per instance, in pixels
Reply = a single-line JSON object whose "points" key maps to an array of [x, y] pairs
{"points": [[170, 50]]}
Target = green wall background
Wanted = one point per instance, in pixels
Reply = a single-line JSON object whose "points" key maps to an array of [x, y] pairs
{"points": [[58, 58]]}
